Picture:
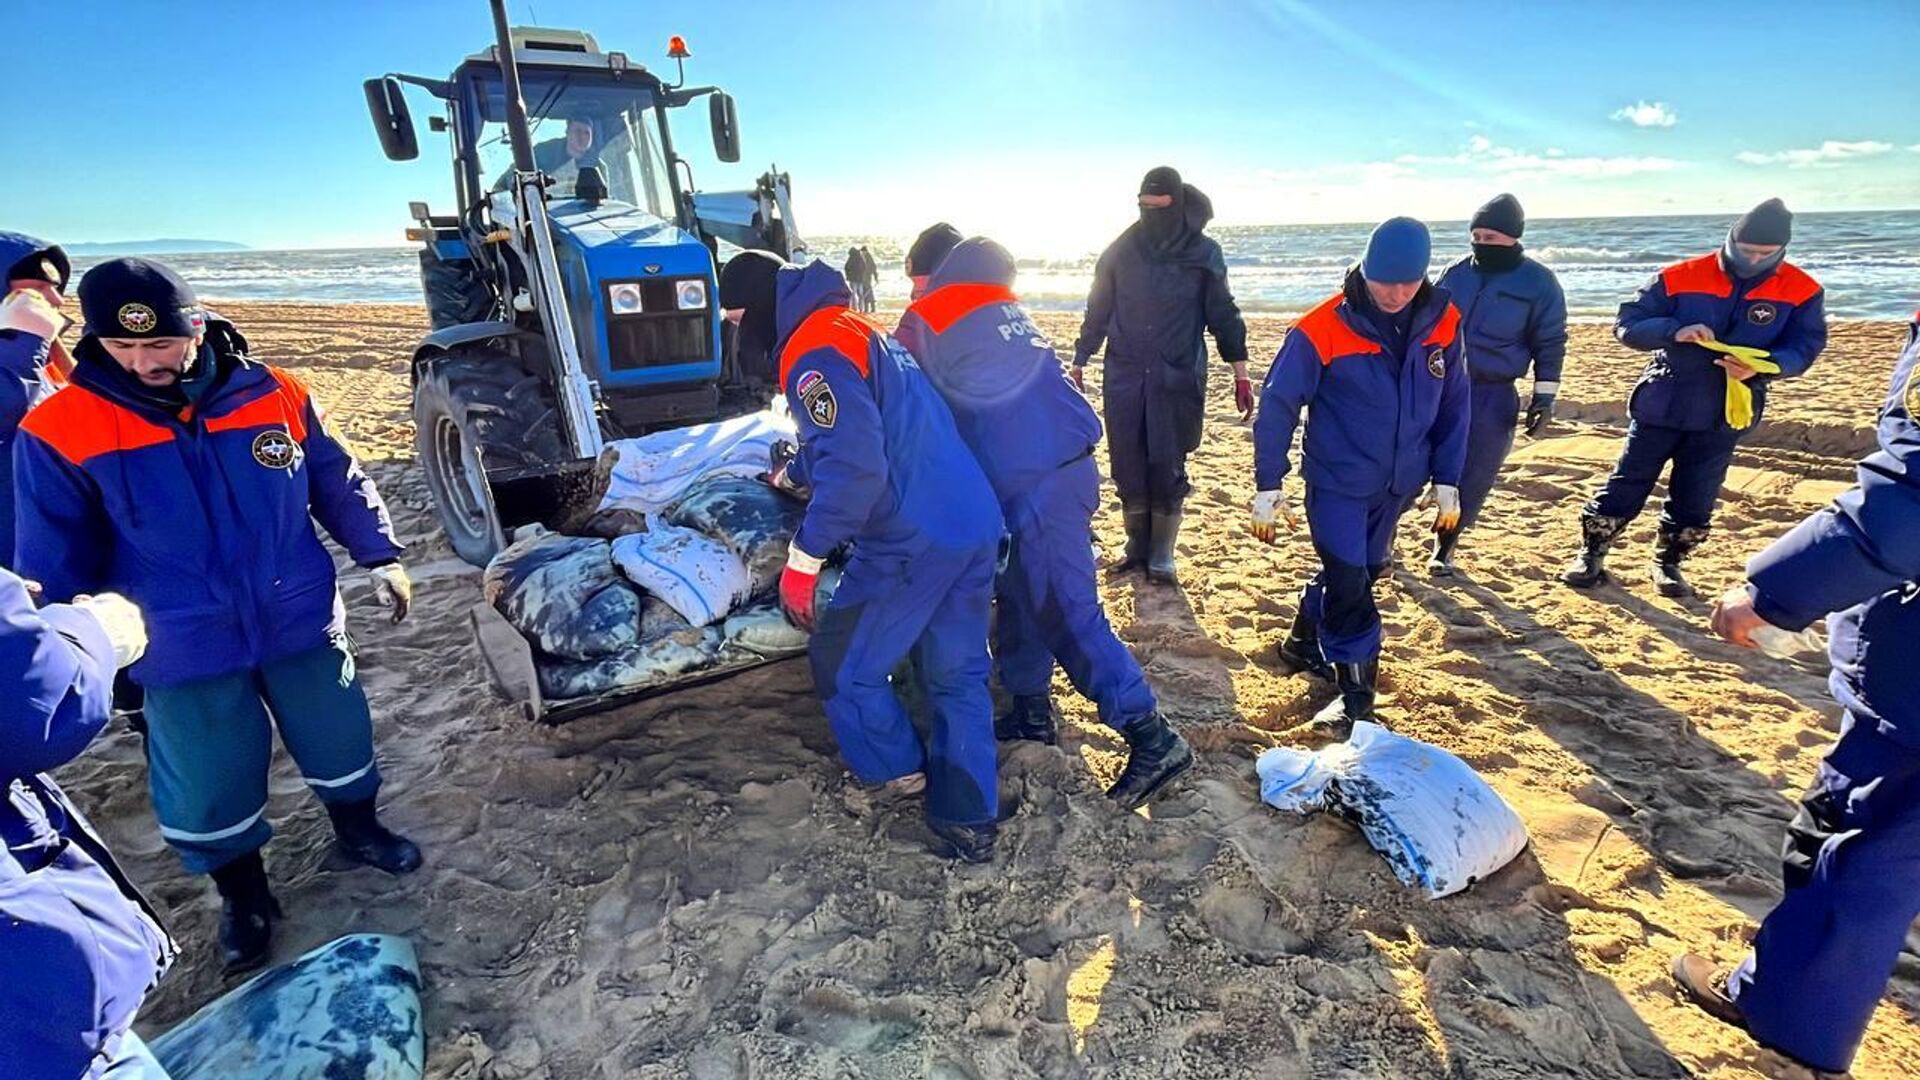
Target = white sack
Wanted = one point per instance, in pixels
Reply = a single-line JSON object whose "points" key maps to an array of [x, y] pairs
{"points": [[695, 575]]}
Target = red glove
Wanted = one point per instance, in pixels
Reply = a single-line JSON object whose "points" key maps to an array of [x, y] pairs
{"points": [[1078, 376], [797, 584], [1243, 396]]}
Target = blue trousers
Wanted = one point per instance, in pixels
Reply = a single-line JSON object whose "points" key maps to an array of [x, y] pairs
{"points": [[934, 609], [1050, 605], [210, 742], [1700, 460], [1354, 538], [1822, 958], [1495, 412]]}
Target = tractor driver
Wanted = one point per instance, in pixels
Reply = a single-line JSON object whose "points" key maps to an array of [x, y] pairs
{"points": [[563, 158]]}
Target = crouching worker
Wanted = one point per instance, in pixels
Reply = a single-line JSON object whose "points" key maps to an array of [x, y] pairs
{"points": [[1034, 435], [181, 473], [1378, 369], [891, 479], [79, 945]]}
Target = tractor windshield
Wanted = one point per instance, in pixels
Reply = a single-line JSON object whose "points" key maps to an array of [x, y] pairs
{"points": [[579, 120]]}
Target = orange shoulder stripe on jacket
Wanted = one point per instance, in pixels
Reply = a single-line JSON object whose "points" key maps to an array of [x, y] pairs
{"points": [[1788, 285], [1444, 330], [80, 425], [1330, 335], [284, 405], [1701, 275], [948, 304], [841, 329]]}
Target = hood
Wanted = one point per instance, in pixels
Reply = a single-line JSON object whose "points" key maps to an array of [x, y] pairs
{"points": [[799, 291], [978, 261], [1199, 208]]}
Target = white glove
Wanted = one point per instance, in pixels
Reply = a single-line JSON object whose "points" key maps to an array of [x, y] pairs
{"points": [[1446, 498], [29, 312], [1270, 508], [122, 622], [393, 588]]}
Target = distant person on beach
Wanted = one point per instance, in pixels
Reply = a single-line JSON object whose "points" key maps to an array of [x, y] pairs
{"points": [[1513, 319], [1034, 435], [1721, 328], [860, 274], [1156, 290], [33, 363], [891, 481], [927, 251], [177, 470], [1822, 957], [1378, 368]]}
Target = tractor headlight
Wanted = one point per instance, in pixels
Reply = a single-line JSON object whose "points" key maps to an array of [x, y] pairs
{"points": [[690, 294], [624, 298]]}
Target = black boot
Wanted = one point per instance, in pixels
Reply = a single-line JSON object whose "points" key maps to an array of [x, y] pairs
{"points": [[1139, 534], [1300, 652], [1156, 755], [247, 911], [363, 839], [1671, 548], [1031, 719], [1441, 563], [1597, 534], [1355, 703], [1165, 530], [968, 843]]}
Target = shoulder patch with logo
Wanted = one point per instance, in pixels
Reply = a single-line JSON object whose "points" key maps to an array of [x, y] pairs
{"points": [[1762, 314], [816, 398], [1437, 363], [274, 448], [137, 318]]}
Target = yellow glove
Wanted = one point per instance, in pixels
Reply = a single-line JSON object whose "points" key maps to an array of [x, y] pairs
{"points": [[1739, 394]]}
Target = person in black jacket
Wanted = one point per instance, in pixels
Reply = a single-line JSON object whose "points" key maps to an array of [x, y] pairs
{"points": [[1156, 289]]}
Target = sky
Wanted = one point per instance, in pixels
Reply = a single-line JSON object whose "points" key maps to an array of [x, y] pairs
{"points": [[1029, 119]]}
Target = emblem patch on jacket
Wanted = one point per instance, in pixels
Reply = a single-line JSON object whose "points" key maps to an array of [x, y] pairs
{"points": [[275, 449], [816, 397], [137, 318], [1762, 314], [1437, 363]]}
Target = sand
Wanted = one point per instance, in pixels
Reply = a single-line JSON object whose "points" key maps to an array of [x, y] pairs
{"points": [[694, 888]]}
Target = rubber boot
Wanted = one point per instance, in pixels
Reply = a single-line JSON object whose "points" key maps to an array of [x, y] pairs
{"points": [[1441, 562], [968, 843], [1031, 719], [1670, 549], [361, 837], [1589, 568], [1165, 531], [1300, 652], [1139, 535], [1355, 703], [247, 911], [1156, 755]]}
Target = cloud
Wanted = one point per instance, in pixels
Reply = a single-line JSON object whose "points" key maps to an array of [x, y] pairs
{"points": [[1827, 155], [1483, 155], [1647, 114]]}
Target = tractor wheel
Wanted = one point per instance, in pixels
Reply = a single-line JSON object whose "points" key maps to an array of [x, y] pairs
{"points": [[476, 410]]}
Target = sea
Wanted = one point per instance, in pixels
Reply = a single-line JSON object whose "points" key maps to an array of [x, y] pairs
{"points": [[1868, 261]]}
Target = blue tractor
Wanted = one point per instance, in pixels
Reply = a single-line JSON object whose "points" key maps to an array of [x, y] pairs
{"points": [[572, 292]]}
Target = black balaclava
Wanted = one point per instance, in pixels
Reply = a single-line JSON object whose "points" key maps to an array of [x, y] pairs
{"points": [[1498, 258], [1502, 214], [747, 282], [1164, 228], [1769, 223]]}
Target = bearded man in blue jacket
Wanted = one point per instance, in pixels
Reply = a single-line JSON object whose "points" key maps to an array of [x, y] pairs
{"points": [[180, 472]]}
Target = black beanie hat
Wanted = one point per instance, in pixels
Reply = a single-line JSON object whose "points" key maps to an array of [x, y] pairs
{"points": [[930, 247], [139, 298], [1769, 223], [48, 264], [1164, 180], [747, 282], [1502, 214]]}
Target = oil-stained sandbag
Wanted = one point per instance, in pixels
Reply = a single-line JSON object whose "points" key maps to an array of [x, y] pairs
{"points": [[565, 594], [764, 631], [694, 574], [753, 520], [651, 664]]}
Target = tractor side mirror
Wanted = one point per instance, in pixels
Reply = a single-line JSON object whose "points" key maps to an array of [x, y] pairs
{"points": [[726, 127], [392, 121]]}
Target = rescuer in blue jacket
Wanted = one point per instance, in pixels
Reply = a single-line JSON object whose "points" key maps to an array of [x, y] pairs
{"points": [[1378, 369], [1513, 319], [183, 474], [33, 282], [890, 480], [1821, 960], [1034, 435], [1744, 295], [79, 946], [1156, 290]]}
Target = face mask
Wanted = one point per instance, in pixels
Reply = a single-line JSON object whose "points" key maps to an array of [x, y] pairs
{"points": [[1497, 257], [1744, 268]]}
